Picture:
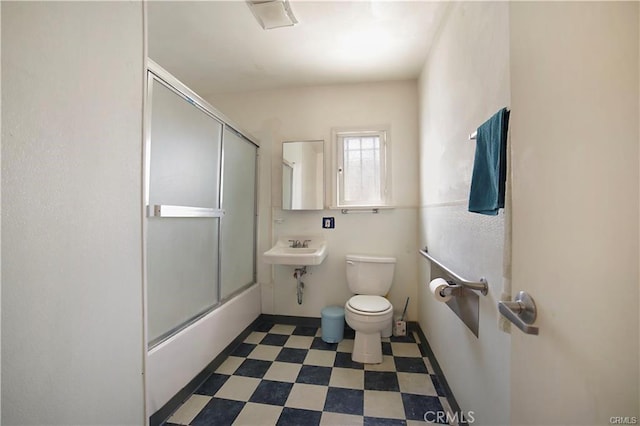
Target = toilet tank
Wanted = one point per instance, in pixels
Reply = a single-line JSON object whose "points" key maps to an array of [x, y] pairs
{"points": [[370, 274]]}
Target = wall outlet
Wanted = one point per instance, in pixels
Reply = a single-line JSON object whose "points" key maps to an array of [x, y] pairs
{"points": [[328, 222]]}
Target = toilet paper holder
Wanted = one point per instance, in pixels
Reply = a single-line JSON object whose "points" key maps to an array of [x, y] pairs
{"points": [[453, 289], [482, 286]]}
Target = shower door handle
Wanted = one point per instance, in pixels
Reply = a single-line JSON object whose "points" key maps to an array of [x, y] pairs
{"points": [[522, 312], [164, 210]]}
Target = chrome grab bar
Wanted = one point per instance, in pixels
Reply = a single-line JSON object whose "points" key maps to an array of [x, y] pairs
{"points": [[522, 312], [480, 286]]}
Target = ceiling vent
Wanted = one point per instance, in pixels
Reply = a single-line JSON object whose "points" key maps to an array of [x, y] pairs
{"points": [[272, 13]]}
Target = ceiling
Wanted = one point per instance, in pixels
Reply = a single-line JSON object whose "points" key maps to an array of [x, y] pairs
{"points": [[218, 46]]}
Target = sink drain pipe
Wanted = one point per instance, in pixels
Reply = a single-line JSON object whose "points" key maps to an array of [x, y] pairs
{"points": [[299, 272]]}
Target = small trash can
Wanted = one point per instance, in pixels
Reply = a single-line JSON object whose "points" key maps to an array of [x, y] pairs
{"points": [[332, 324]]}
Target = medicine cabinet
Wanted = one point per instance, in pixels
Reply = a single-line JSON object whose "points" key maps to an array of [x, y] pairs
{"points": [[303, 175]]}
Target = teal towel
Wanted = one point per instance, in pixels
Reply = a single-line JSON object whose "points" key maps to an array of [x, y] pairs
{"points": [[490, 165]]}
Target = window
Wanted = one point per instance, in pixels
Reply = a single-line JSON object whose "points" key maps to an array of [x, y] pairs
{"points": [[362, 168]]}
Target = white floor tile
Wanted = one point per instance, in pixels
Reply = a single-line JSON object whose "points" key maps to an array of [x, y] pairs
{"points": [[283, 372], [387, 364], [282, 329], [307, 397], [428, 364], [383, 404], [346, 345], [415, 383], [265, 352], [230, 365], [238, 388], [406, 350], [299, 342], [189, 410], [320, 358], [255, 337], [347, 378], [253, 414], [335, 419]]}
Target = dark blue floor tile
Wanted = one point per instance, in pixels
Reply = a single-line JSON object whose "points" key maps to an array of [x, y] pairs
{"points": [[423, 350], [302, 330], [274, 340], [313, 375], [346, 401], [386, 348], [212, 384], [343, 360], [295, 356], [410, 365], [253, 368], [438, 386], [318, 343], [416, 406], [403, 339], [381, 381], [295, 417], [243, 349], [264, 326], [376, 421], [218, 412], [270, 392], [349, 333]]}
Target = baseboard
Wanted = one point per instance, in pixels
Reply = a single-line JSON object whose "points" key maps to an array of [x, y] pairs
{"points": [[414, 326], [291, 320]]}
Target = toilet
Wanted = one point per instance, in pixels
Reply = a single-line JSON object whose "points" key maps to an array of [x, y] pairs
{"points": [[368, 313]]}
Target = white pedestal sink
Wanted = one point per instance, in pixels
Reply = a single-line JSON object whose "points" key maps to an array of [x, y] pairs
{"points": [[297, 251]]}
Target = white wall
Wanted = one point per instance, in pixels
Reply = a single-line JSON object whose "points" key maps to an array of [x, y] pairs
{"points": [[0, 222], [72, 320], [309, 114], [464, 81], [574, 71]]}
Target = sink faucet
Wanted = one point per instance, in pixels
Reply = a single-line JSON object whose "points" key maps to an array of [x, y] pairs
{"points": [[295, 244], [305, 243]]}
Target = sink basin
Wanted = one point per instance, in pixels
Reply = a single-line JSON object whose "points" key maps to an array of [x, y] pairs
{"points": [[283, 254]]}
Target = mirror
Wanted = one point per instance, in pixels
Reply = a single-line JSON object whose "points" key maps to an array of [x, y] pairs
{"points": [[303, 175]]}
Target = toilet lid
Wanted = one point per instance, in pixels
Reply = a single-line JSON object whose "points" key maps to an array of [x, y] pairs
{"points": [[368, 303]]}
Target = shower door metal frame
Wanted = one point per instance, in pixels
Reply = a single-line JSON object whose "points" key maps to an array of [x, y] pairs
{"points": [[158, 74]]}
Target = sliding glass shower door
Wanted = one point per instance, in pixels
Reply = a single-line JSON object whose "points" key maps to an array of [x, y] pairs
{"points": [[183, 211], [238, 225], [200, 188]]}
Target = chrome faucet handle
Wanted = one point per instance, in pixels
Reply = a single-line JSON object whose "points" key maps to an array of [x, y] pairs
{"points": [[305, 243], [294, 243]]}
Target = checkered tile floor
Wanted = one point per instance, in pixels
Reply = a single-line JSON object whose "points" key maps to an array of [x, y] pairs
{"points": [[286, 375]]}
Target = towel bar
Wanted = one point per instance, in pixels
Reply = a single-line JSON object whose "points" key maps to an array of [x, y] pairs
{"points": [[474, 135], [480, 286], [347, 211]]}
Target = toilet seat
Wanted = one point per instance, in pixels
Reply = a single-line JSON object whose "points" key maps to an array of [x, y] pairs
{"points": [[369, 304]]}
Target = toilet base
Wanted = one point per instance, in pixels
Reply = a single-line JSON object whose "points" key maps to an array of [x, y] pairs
{"points": [[367, 348]]}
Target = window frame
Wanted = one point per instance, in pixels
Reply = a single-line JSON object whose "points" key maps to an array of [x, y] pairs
{"points": [[338, 136]]}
